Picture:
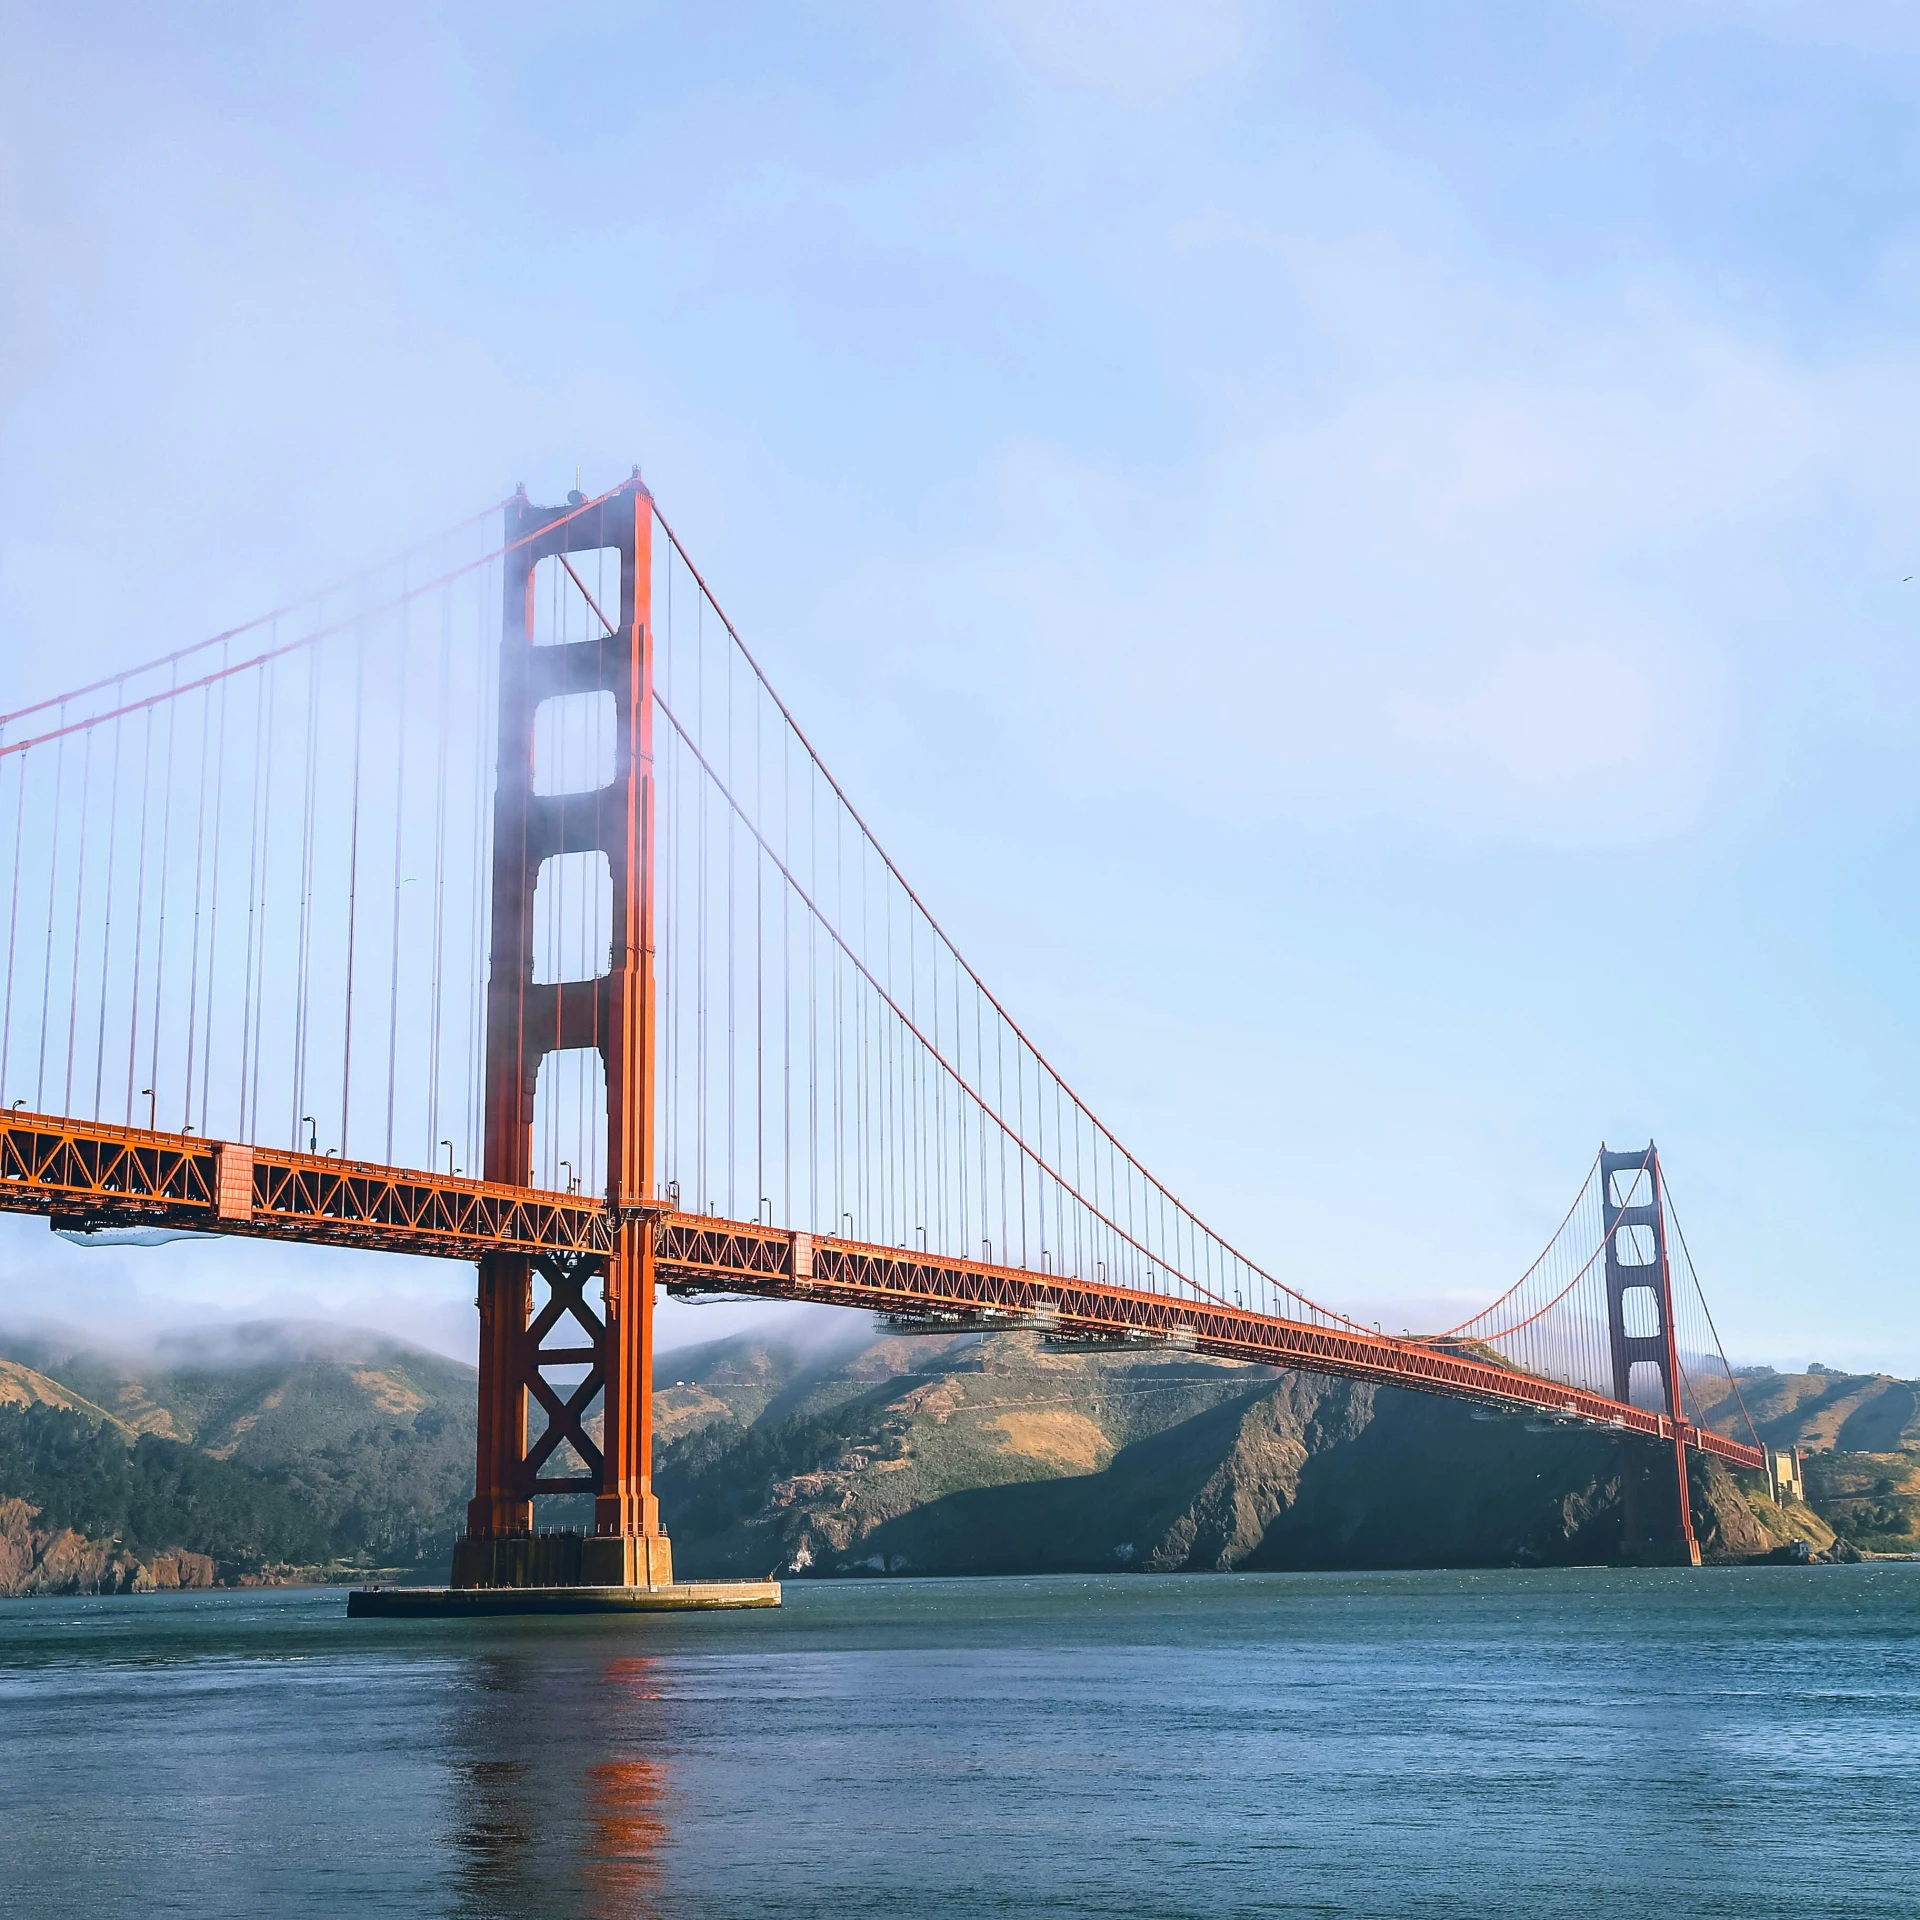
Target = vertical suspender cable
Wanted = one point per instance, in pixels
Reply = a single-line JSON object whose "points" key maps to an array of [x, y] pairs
{"points": [[79, 914], [264, 688], [475, 1142], [786, 977], [160, 923], [13, 914], [106, 924], [199, 866], [139, 911], [733, 1210], [353, 877], [759, 971], [53, 876], [437, 1003], [213, 904], [705, 1194], [399, 849], [304, 948]]}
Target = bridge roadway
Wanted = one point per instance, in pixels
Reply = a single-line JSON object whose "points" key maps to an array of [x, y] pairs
{"points": [[87, 1175]]}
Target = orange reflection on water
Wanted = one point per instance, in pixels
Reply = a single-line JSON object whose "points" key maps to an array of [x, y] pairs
{"points": [[624, 1834], [633, 1676], [553, 1810]]}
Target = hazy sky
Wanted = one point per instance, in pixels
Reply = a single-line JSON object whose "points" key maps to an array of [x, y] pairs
{"points": [[1355, 552]]}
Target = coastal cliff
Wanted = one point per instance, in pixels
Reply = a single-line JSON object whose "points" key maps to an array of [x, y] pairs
{"points": [[60, 1560]]}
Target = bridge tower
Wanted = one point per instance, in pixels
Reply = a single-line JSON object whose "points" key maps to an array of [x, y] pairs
{"points": [[1636, 1223], [612, 1014]]}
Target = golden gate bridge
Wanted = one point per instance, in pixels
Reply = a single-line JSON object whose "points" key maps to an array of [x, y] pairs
{"points": [[493, 906]]}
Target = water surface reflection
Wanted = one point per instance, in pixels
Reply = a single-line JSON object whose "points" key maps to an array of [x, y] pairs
{"points": [[556, 1787]]}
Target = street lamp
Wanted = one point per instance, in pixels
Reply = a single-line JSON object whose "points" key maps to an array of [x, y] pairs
{"points": [[313, 1133], [153, 1101], [448, 1144]]}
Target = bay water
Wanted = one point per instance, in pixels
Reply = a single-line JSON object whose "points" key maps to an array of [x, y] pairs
{"points": [[1740, 1742]]}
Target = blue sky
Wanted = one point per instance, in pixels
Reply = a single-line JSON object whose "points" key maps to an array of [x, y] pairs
{"points": [[1355, 552]]}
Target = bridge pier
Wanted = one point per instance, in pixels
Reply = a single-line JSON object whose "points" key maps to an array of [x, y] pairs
{"points": [[611, 1013]]}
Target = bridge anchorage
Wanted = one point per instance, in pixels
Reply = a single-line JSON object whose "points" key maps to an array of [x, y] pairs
{"points": [[495, 908]]}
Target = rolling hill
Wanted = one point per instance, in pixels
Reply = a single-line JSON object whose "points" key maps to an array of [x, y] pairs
{"points": [[278, 1451]]}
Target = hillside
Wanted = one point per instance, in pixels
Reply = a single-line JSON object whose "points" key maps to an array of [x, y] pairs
{"points": [[367, 1440], [276, 1449], [968, 1454], [83, 1508], [1823, 1411]]}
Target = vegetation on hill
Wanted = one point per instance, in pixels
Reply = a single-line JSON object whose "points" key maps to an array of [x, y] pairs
{"points": [[1822, 1410], [1871, 1499], [1005, 1455], [151, 1494], [367, 1441], [341, 1453]]}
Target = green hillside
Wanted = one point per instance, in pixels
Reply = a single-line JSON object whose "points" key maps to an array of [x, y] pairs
{"points": [[151, 1495], [368, 1441], [337, 1453]]}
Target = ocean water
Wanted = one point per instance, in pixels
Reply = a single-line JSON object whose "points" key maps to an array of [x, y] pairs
{"points": [[1733, 1742]]}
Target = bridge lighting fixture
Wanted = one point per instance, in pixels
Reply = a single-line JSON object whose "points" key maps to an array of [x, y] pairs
{"points": [[313, 1133], [448, 1144], [153, 1102]]}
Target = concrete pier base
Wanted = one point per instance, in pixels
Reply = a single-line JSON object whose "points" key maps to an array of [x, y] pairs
{"points": [[563, 1560], [459, 1603]]}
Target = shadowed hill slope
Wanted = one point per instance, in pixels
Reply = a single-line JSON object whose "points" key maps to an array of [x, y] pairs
{"points": [[970, 1454]]}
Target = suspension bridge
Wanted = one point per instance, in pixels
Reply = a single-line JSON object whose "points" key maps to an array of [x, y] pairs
{"points": [[493, 906]]}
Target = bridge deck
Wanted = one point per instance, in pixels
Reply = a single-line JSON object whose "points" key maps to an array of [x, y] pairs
{"points": [[89, 1175]]}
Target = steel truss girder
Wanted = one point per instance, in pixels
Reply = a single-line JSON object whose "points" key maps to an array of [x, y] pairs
{"points": [[694, 1251], [91, 1174]]}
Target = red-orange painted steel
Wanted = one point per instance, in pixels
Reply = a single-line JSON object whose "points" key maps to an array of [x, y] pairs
{"points": [[698, 1252], [84, 1173], [612, 1014]]}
